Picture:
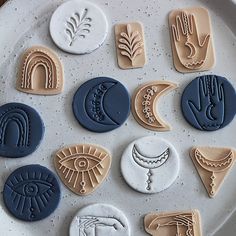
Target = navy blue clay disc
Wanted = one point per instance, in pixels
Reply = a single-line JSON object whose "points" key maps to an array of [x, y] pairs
{"points": [[21, 130], [31, 193], [101, 104], [208, 102]]}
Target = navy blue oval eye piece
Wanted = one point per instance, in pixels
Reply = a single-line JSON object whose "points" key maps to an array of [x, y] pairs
{"points": [[101, 104], [21, 130], [208, 102], [31, 193]]}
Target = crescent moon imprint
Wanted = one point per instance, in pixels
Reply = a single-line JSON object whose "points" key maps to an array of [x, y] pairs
{"points": [[94, 104], [192, 49], [144, 104], [214, 165]]}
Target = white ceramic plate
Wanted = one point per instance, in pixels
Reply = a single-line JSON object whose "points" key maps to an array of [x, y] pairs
{"points": [[25, 23]]}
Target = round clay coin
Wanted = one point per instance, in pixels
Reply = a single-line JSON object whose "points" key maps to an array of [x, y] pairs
{"points": [[31, 193], [101, 104], [21, 130], [208, 102], [99, 220], [78, 27], [150, 164]]}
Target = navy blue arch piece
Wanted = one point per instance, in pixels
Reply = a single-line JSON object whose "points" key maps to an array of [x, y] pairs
{"points": [[21, 130], [101, 104], [208, 102], [31, 193]]}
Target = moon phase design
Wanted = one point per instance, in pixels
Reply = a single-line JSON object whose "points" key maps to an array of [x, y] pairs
{"points": [[144, 104], [101, 104]]}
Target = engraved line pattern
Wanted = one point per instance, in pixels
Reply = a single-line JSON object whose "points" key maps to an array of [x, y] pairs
{"points": [[150, 162], [20, 117], [130, 44], [35, 58], [78, 26]]}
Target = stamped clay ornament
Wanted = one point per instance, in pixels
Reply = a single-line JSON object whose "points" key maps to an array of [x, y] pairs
{"points": [[99, 220], [78, 27], [186, 223], [150, 164], [130, 45], [82, 168], [41, 72], [144, 104], [213, 164]]}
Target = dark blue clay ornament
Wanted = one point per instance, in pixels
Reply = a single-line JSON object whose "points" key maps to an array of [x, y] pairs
{"points": [[21, 130], [101, 104], [208, 102], [31, 193]]}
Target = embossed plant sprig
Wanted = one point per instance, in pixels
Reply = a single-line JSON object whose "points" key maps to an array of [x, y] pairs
{"points": [[78, 26]]}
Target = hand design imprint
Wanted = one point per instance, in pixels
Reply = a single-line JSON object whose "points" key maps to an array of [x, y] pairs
{"points": [[191, 50], [88, 224], [210, 111]]}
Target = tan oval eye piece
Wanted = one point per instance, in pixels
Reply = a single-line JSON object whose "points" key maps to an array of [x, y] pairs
{"points": [[41, 72], [173, 223], [82, 168], [144, 104]]}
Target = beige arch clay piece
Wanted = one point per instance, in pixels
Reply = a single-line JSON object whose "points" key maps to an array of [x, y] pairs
{"points": [[41, 72], [144, 104], [82, 168], [191, 39], [213, 164], [130, 45], [184, 223]]}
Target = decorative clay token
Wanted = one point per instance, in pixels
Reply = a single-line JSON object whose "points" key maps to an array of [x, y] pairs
{"points": [[82, 168], [31, 193], [41, 72], [144, 104], [101, 104], [213, 164], [21, 130], [130, 45], [191, 39], [208, 102], [186, 223], [78, 27], [99, 220], [150, 164]]}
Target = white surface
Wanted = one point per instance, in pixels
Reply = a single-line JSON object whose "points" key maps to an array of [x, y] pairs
{"points": [[162, 175], [26, 23], [99, 220], [79, 18]]}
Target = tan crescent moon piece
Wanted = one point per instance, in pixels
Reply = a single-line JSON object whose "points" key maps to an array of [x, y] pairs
{"points": [[186, 223], [191, 39], [82, 168], [213, 164], [144, 104], [130, 45], [41, 72]]}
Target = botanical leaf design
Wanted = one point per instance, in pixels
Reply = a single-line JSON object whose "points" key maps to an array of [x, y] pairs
{"points": [[78, 26], [131, 44]]}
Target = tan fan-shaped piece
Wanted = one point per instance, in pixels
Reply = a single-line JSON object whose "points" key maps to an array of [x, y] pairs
{"points": [[41, 72], [212, 164], [82, 168], [144, 103]]}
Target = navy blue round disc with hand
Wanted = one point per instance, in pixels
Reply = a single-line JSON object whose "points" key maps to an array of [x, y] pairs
{"points": [[208, 102], [21, 130], [101, 104], [31, 193]]}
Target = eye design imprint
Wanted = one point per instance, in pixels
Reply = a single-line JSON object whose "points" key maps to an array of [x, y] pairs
{"points": [[150, 162], [31, 193], [82, 168]]}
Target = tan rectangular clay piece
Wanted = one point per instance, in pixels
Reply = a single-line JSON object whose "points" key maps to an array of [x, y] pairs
{"points": [[173, 223], [130, 45], [191, 39]]}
